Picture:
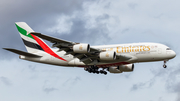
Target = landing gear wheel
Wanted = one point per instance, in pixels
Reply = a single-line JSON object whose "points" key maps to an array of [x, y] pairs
{"points": [[101, 71], [164, 66], [90, 70], [165, 63], [105, 73], [86, 69]]}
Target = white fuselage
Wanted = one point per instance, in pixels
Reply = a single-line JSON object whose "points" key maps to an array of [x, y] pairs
{"points": [[140, 52]]}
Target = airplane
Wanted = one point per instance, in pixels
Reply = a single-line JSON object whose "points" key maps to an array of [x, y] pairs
{"points": [[113, 58]]}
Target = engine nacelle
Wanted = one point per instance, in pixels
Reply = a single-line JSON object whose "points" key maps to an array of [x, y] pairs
{"points": [[81, 48], [121, 68], [109, 55], [126, 68], [114, 70]]}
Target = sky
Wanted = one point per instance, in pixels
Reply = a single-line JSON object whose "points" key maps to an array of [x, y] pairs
{"points": [[97, 22]]}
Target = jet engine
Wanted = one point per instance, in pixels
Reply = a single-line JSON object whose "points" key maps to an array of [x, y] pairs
{"points": [[121, 68], [81, 48], [108, 55]]}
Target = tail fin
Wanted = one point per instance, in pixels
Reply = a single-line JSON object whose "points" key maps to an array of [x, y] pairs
{"points": [[30, 43]]}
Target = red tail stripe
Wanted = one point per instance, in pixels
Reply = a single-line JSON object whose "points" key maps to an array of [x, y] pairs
{"points": [[46, 48]]}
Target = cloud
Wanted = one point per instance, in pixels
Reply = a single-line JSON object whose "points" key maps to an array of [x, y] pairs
{"points": [[132, 5], [143, 85], [35, 14], [79, 28], [71, 82], [48, 90], [137, 86], [170, 77], [6, 81]]}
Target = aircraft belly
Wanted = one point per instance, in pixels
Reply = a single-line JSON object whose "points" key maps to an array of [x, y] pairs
{"points": [[58, 61], [150, 57]]}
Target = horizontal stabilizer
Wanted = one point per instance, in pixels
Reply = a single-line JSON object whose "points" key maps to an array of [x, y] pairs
{"points": [[21, 52]]}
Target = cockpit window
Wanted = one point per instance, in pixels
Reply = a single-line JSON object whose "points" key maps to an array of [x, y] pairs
{"points": [[168, 49]]}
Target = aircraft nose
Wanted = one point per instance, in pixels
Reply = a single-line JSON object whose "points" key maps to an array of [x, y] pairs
{"points": [[173, 54]]}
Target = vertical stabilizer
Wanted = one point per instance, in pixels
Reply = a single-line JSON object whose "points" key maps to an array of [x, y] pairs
{"points": [[30, 43]]}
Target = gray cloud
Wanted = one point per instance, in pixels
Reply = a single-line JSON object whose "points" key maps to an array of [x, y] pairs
{"points": [[71, 81], [32, 68], [132, 5], [80, 33], [137, 86], [48, 87], [160, 99], [171, 78], [178, 97], [6, 81], [48, 90], [125, 30], [108, 5], [173, 82], [35, 13], [143, 85]]}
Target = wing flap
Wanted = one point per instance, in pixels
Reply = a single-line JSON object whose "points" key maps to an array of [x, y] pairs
{"points": [[21, 52]]}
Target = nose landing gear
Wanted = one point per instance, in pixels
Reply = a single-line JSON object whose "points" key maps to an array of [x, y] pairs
{"points": [[165, 64]]}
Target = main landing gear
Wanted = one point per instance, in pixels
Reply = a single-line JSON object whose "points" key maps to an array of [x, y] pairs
{"points": [[94, 69], [165, 64]]}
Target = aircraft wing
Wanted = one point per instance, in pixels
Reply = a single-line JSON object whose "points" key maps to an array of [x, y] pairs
{"points": [[67, 46], [52, 39], [58, 42], [21, 52]]}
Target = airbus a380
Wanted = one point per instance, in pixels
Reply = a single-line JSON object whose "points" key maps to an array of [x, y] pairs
{"points": [[113, 58]]}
